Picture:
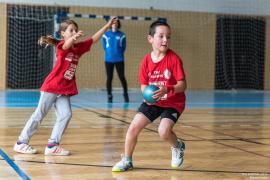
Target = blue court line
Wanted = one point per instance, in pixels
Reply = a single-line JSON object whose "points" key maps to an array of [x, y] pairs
{"points": [[14, 166], [98, 99]]}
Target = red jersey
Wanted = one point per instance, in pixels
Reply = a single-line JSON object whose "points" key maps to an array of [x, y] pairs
{"points": [[165, 72], [61, 79]]}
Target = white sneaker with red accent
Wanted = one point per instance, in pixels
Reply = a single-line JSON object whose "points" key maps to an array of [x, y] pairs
{"points": [[24, 148], [56, 151]]}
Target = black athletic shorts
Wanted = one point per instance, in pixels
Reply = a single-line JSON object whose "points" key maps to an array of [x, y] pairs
{"points": [[152, 112]]}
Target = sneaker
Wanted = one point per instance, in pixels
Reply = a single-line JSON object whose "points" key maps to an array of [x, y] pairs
{"points": [[178, 155], [123, 165], [24, 148], [126, 98], [56, 151]]}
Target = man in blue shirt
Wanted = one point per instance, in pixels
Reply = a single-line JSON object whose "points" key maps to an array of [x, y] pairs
{"points": [[114, 45]]}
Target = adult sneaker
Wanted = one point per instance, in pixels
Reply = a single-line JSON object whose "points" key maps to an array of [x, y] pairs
{"points": [[56, 151], [24, 148], [178, 154], [123, 165]]}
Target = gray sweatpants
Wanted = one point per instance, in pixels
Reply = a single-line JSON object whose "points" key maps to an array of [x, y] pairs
{"points": [[63, 113]]}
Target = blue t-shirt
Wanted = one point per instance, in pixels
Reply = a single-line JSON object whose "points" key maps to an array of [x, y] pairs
{"points": [[114, 44]]}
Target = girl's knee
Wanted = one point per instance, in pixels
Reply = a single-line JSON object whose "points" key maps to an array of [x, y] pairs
{"points": [[66, 117], [69, 115], [38, 116]]}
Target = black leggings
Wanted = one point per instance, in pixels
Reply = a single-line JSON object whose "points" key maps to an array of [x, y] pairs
{"points": [[120, 68]]}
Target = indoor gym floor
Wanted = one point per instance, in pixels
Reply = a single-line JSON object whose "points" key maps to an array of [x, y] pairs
{"points": [[227, 136]]}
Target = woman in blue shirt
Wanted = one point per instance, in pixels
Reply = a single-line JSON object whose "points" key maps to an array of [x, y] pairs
{"points": [[114, 45]]}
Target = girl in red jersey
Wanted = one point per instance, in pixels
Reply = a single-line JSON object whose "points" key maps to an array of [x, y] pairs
{"points": [[59, 85], [161, 67]]}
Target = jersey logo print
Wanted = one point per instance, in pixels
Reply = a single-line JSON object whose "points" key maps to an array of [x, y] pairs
{"points": [[69, 57], [167, 74]]}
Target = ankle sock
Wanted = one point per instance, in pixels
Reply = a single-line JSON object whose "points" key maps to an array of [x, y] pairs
{"points": [[178, 144], [128, 158], [18, 142], [51, 145]]}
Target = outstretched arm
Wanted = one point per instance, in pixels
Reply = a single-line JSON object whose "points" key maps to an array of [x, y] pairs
{"points": [[68, 43], [100, 32]]}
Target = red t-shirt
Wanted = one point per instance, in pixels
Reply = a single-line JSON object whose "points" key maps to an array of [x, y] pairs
{"points": [[61, 79], [165, 72]]}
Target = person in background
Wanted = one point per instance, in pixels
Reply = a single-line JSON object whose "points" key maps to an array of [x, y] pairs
{"points": [[114, 45]]}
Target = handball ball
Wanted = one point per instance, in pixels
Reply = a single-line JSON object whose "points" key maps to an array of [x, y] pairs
{"points": [[148, 92]]}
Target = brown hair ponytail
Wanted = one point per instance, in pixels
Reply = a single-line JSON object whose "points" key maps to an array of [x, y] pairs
{"points": [[48, 40]]}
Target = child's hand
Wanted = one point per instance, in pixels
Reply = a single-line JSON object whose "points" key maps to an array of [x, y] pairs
{"points": [[77, 35], [112, 21], [99, 34], [160, 92]]}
